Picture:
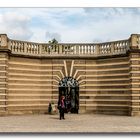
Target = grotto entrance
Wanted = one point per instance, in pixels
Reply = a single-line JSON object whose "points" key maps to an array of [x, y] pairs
{"points": [[69, 87]]}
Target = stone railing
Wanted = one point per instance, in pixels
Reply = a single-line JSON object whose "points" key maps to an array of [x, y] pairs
{"points": [[69, 49], [28, 48], [112, 48], [22, 47], [63, 49]]}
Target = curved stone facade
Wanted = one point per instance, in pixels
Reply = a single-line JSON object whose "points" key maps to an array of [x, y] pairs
{"points": [[107, 73]]}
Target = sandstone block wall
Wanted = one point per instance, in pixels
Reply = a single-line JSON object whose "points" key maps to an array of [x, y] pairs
{"points": [[33, 83], [108, 76]]}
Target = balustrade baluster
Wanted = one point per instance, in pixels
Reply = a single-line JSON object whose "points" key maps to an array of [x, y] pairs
{"points": [[112, 48], [88, 49], [33, 49], [60, 49], [92, 49], [80, 49], [36, 49], [24, 48], [77, 49], [97, 49], [84, 49], [40, 49]]}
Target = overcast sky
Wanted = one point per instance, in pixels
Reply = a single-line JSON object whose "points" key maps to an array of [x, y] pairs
{"points": [[69, 24]]}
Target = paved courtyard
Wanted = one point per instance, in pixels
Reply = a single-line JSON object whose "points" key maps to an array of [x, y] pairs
{"points": [[72, 123]]}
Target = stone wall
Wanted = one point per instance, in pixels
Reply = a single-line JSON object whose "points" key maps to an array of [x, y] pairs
{"points": [[3, 82], [108, 76], [104, 84]]}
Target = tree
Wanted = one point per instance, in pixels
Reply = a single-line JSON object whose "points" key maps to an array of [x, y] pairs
{"points": [[53, 41], [53, 44]]}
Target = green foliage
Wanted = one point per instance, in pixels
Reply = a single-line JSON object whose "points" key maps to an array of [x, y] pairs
{"points": [[53, 41]]}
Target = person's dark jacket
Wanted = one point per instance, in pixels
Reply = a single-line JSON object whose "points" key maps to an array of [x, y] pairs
{"points": [[59, 104]]}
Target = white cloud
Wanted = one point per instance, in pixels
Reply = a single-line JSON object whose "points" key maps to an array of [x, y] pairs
{"points": [[15, 25], [70, 24], [50, 36]]}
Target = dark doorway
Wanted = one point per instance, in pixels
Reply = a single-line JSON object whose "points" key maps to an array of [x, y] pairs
{"points": [[69, 87]]}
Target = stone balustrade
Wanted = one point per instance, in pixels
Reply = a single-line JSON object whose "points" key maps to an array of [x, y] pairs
{"points": [[22, 47], [69, 49], [116, 47]]}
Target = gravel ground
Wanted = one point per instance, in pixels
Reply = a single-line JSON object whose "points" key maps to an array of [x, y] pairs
{"points": [[73, 123]]}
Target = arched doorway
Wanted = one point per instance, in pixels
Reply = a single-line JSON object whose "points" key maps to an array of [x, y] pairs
{"points": [[69, 87]]}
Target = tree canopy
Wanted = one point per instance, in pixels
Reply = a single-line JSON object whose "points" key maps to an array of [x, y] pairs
{"points": [[53, 41]]}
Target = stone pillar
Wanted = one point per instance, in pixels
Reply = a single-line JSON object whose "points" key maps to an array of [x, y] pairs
{"points": [[60, 49], [135, 74], [135, 41], [3, 41], [112, 48], [25, 47], [3, 73], [97, 50], [40, 50], [135, 84], [77, 49]]}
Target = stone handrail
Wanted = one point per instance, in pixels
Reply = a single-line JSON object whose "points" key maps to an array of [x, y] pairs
{"points": [[69, 49], [22, 47]]}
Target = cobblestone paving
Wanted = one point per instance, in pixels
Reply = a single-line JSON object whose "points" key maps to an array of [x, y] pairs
{"points": [[72, 123]]}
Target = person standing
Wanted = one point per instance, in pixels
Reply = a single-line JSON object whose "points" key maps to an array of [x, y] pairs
{"points": [[62, 107], [49, 108]]}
